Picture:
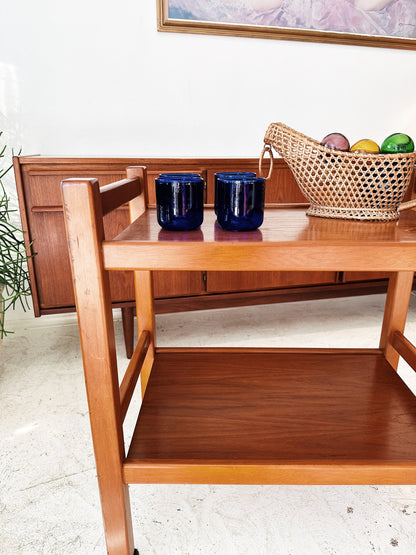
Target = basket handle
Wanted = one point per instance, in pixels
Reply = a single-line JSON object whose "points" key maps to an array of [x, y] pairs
{"points": [[266, 148], [407, 205]]}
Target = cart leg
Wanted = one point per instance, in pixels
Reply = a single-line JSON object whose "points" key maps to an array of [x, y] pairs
{"points": [[83, 217], [145, 319], [115, 505], [395, 313], [127, 315]]}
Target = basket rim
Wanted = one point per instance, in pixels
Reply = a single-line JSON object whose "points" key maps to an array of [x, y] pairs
{"points": [[356, 214], [316, 144]]}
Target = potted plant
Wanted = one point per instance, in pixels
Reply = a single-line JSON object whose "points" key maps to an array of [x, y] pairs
{"points": [[14, 276]]}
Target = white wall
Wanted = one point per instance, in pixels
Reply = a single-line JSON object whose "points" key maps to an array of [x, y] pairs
{"points": [[96, 78]]}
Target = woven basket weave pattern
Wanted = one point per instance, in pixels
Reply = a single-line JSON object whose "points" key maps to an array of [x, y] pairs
{"points": [[346, 185]]}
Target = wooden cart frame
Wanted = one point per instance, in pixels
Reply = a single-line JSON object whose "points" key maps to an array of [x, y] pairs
{"points": [[231, 415]]}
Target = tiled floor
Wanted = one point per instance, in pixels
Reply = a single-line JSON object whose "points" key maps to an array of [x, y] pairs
{"points": [[49, 501]]}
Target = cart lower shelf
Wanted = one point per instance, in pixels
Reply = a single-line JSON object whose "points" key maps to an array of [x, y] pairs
{"points": [[274, 416]]}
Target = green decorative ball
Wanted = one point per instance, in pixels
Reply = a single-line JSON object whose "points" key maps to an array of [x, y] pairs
{"points": [[398, 142]]}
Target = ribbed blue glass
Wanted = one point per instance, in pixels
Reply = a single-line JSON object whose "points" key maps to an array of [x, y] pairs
{"points": [[241, 203], [180, 201], [228, 175]]}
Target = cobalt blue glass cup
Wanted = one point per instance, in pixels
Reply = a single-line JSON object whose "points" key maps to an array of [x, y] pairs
{"points": [[179, 201], [241, 203], [221, 175]]}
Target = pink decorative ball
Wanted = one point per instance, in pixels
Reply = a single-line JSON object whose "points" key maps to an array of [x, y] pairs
{"points": [[336, 141]]}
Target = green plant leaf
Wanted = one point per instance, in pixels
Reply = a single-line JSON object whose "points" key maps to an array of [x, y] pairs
{"points": [[14, 275]]}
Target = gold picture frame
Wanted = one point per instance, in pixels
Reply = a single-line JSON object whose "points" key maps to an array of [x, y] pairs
{"points": [[204, 27]]}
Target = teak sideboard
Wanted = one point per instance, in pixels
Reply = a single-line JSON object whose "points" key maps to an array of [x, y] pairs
{"points": [[38, 180], [238, 415]]}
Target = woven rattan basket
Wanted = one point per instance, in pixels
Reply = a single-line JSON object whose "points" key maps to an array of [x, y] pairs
{"points": [[349, 185]]}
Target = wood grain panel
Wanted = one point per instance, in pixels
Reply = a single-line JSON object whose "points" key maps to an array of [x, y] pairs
{"points": [[282, 186], [259, 408], [218, 282], [289, 240], [177, 284], [52, 263], [364, 276], [45, 188]]}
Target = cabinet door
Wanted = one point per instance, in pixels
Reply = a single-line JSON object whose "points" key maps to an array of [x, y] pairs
{"points": [[363, 276], [51, 262], [282, 187], [220, 282], [53, 281], [177, 284]]}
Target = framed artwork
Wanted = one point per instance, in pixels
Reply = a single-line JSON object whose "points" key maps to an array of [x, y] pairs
{"points": [[382, 23]]}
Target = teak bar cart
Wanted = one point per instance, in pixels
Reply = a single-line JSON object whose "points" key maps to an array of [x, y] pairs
{"points": [[235, 415]]}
